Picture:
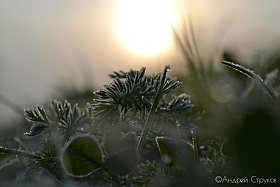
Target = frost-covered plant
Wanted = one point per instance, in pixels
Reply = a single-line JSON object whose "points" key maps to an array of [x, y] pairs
{"points": [[134, 133], [131, 134], [267, 85]]}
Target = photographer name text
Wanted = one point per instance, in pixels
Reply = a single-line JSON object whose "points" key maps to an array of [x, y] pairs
{"points": [[245, 180]]}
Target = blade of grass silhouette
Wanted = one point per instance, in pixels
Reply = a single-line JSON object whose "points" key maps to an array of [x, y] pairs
{"points": [[195, 145], [252, 75], [153, 109], [197, 71], [200, 65], [4, 150], [187, 43], [194, 42], [187, 39], [185, 46], [188, 58], [180, 43]]}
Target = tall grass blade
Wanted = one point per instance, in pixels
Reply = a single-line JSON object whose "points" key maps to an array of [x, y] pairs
{"points": [[255, 77]]}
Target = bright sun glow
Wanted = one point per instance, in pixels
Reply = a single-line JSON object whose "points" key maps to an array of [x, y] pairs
{"points": [[145, 26]]}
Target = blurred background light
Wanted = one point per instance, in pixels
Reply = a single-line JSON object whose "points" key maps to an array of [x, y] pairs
{"points": [[48, 46]]}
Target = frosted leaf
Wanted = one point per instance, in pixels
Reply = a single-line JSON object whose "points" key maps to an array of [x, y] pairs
{"points": [[242, 69], [251, 74], [36, 129]]}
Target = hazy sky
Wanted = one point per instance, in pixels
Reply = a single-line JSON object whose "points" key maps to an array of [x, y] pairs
{"points": [[47, 43]]}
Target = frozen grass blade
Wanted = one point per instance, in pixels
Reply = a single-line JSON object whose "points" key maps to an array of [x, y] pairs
{"points": [[4, 150], [153, 109], [249, 73], [255, 77]]}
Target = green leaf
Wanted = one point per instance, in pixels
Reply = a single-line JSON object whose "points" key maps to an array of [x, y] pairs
{"points": [[178, 153], [178, 104], [67, 117], [142, 181], [122, 156], [37, 115], [148, 168], [82, 156], [228, 149], [112, 138], [170, 84]]}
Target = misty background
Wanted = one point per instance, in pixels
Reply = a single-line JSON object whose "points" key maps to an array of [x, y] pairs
{"points": [[49, 46]]}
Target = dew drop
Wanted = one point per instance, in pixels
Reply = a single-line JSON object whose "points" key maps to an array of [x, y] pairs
{"points": [[177, 123], [167, 68]]}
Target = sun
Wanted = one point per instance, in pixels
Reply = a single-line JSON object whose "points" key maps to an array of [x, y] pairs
{"points": [[144, 27]]}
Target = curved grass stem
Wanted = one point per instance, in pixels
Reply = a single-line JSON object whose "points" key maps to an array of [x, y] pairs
{"points": [[256, 78]]}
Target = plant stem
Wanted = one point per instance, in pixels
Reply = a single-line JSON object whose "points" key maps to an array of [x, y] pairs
{"points": [[256, 78], [195, 146], [153, 110], [18, 152]]}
